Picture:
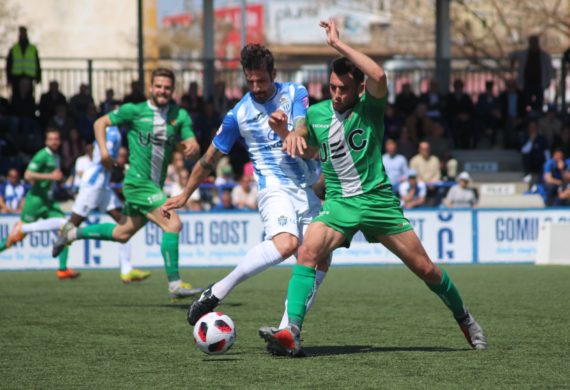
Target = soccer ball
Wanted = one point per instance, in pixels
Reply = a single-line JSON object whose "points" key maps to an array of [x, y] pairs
{"points": [[214, 333]]}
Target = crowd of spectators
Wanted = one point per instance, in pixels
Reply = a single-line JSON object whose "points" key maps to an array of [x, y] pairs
{"points": [[421, 133]]}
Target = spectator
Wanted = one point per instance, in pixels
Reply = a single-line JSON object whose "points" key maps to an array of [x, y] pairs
{"points": [[176, 166], [554, 170], [244, 195], [23, 62], [137, 94], [71, 148], [62, 122], [206, 124], [81, 164], [226, 179], [512, 111], [49, 101], [564, 141], [191, 101], [396, 165], [419, 124], [534, 153], [550, 126], [434, 101], [219, 98], [406, 147], [428, 168], [177, 188], [29, 138], [23, 104], [460, 195], [12, 193], [460, 114], [440, 145], [79, 103], [392, 123], [489, 112], [110, 103], [225, 201], [120, 168], [534, 72], [406, 101], [412, 192], [85, 124]]}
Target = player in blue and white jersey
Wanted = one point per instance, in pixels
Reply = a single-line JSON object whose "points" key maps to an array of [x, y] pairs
{"points": [[95, 193], [287, 203]]}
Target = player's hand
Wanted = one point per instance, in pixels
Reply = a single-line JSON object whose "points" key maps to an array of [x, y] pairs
{"points": [[106, 160], [278, 123], [294, 144], [57, 175], [173, 203], [191, 149], [331, 30]]}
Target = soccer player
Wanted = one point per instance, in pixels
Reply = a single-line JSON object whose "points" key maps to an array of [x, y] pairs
{"points": [[42, 172], [349, 130], [286, 201], [95, 193], [154, 126]]}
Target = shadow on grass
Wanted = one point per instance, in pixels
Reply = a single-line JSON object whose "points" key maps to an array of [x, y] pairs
{"points": [[180, 306], [331, 350]]}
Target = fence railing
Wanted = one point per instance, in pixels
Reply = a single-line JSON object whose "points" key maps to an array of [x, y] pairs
{"points": [[102, 74]]}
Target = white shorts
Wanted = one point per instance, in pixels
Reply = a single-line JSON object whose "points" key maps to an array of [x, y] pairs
{"points": [[287, 210], [93, 198]]}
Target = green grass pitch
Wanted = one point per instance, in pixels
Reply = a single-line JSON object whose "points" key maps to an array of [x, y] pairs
{"points": [[371, 327]]}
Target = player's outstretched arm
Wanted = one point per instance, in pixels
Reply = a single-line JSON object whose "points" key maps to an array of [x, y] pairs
{"points": [[200, 172], [100, 127], [376, 83]]}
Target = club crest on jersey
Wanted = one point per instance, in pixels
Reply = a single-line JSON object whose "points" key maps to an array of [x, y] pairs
{"points": [[285, 104]]}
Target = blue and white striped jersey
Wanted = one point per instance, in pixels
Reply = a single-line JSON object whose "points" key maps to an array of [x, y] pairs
{"points": [[248, 121], [96, 175]]}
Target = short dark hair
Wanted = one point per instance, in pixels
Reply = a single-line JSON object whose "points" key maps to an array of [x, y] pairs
{"points": [[53, 130], [163, 72], [342, 66], [256, 57]]}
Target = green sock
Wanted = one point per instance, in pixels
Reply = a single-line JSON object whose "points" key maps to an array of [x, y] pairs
{"points": [[102, 231], [3, 245], [301, 287], [63, 259], [448, 293], [169, 250]]}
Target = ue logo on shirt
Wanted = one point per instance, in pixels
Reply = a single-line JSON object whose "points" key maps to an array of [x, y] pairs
{"points": [[282, 220]]}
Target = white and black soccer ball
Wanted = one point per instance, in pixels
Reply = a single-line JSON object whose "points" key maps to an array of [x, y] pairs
{"points": [[214, 333]]}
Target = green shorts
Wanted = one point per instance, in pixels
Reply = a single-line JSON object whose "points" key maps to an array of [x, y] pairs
{"points": [[37, 207], [375, 213], [142, 197]]}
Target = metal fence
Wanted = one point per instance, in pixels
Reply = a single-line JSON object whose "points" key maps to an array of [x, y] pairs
{"points": [[102, 74]]}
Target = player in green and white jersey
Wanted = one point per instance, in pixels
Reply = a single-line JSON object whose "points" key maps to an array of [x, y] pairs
{"points": [[349, 131], [154, 128], [42, 172]]}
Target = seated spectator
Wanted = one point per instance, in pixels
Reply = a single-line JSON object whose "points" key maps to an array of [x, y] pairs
{"points": [[554, 170], [412, 191], [23, 106], [110, 103], [244, 195], [49, 102], [550, 126], [137, 94], [396, 165], [406, 147], [219, 98], [512, 103], [440, 145], [81, 165], [12, 193], [225, 201], [460, 195], [79, 103], [434, 101], [419, 124], [406, 101], [227, 177], [534, 153], [71, 148], [428, 168], [459, 108], [489, 113], [191, 101], [85, 124]]}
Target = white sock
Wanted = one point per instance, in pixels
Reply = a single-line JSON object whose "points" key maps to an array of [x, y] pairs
{"points": [[319, 277], [257, 259], [125, 257], [44, 225], [174, 284]]}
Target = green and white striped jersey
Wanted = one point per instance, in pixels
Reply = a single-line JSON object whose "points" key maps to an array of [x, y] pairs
{"points": [[153, 134], [350, 145]]}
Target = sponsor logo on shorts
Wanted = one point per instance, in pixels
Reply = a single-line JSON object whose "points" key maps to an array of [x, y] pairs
{"points": [[282, 220], [153, 198]]}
